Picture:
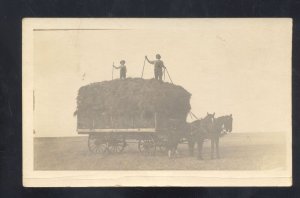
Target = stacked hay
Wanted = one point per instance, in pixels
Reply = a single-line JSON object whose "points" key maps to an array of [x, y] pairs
{"points": [[132, 102]]}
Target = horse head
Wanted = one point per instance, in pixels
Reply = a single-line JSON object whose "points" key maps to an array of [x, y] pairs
{"points": [[209, 121], [228, 123]]}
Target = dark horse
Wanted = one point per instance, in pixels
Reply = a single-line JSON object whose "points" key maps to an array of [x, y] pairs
{"points": [[176, 133], [199, 131], [209, 128]]}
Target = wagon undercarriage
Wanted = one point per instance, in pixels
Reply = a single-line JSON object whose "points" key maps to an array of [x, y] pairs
{"points": [[114, 142]]}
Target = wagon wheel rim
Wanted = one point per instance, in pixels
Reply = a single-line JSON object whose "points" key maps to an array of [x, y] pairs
{"points": [[116, 145], [147, 146], [97, 144]]}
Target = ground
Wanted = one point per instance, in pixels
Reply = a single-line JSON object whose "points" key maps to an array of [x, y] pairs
{"points": [[239, 151]]}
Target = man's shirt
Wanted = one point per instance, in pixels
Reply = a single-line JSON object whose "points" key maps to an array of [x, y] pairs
{"points": [[158, 64], [122, 68]]}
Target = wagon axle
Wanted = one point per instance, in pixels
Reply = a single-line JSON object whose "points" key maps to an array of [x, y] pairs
{"points": [[116, 143]]}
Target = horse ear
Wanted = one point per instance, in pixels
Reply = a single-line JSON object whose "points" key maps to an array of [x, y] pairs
{"points": [[230, 115], [207, 113], [214, 114]]}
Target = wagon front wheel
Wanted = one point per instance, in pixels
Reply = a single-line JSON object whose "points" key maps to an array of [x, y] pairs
{"points": [[147, 146], [97, 144]]}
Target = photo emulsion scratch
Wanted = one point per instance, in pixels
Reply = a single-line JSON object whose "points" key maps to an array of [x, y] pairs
{"points": [[186, 102]]}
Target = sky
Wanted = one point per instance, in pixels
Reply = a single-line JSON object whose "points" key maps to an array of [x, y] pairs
{"points": [[233, 67]]}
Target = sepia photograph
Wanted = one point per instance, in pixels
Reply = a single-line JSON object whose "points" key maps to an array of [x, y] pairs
{"points": [[157, 102]]}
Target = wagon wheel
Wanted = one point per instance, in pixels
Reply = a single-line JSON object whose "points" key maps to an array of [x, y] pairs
{"points": [[116, 144], [97, 144], [147, 145]]}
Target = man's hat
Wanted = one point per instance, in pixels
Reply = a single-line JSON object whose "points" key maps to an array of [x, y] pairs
{"points": [[158, 56], [122, 61]]}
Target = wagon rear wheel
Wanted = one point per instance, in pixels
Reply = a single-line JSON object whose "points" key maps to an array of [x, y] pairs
{"points": [[116, 144], [97, 144], [147, 145]]}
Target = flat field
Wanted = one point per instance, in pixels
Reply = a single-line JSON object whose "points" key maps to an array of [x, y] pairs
{"points": [[239, 151]]}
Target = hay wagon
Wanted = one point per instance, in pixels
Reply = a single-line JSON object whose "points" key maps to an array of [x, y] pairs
{"points": [[107, 138], [119, 112]]}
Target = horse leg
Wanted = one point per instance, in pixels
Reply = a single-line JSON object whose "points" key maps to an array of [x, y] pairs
{"points": [[175, 146], [169, 147], [199, 146], [217, 147], [170, 150], [212, 148], [169, 153], [191, 144]]}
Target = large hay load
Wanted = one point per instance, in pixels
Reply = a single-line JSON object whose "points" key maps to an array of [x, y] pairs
{"points": [[131, 103]]}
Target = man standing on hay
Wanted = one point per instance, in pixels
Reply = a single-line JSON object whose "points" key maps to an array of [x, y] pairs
{"points": [[122, 68], [158, 66]]}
